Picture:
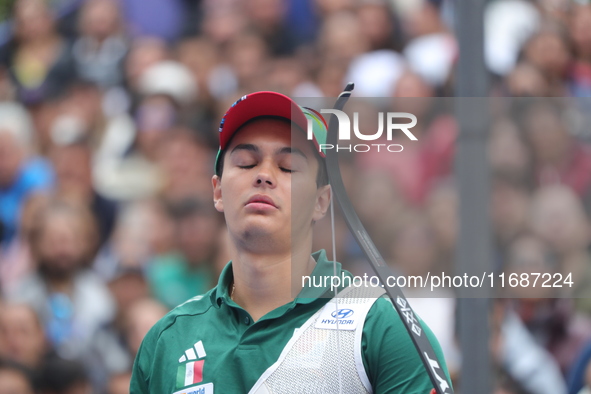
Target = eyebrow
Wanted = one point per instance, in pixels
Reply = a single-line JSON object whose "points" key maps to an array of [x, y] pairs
{"points": [[280, 151], [248, 147], [289, 149]]}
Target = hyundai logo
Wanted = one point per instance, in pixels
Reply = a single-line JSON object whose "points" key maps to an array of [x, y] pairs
{"points": [[342, 313]]}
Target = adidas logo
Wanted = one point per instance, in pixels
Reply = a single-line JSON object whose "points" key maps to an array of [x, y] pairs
{"points": [[191, 372]]}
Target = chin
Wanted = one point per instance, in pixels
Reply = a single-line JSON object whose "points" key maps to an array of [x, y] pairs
{"points": [[253, 233], [264, 225], [261, 239]]}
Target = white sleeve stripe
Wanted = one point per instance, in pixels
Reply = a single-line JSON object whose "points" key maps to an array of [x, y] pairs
{"points": [[191, 354], [200, 349]]}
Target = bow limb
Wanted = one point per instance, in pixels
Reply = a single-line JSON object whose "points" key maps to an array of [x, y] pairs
{"points": [[407, 315]]}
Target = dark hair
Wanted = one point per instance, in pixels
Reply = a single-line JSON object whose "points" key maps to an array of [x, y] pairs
{"points": [[321, 176], [60, 375], [24, 371]]}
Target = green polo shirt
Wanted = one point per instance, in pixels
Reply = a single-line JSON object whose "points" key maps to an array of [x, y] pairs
{"points": [[211, 341]]}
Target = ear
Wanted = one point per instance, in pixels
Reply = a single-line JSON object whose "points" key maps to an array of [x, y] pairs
{"points": [[322, 202], [217, 193]]}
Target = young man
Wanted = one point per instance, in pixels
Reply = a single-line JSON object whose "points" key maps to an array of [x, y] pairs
{"points": [[250, 334]]}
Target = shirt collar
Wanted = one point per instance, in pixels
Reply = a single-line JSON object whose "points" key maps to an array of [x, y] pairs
{"points": [[221, 294], [318, 285]]}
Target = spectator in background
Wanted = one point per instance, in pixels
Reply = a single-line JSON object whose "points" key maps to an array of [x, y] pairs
{"points": [[523, 365], [71, 301], [330, 76], [326, 8], [15, 379], [22, 337], [167, 89], [557, 216], [73, 167], [528, 253], [186, 165], [557, 156], [579, 377], [110, 345], [416, 168], [550, 51], [526, 80], [144, 231], [510, 204], [119, 383], [413, 253], [223, 20], [556, 326], [532, 352], [580, 32], [302, 20], [176, 277], [343, 45], [172, 80], [508, 151], [136, 171], [100, 50], [144, 52], [128, 287], [162, 18], [247, 55], [511, 165], [140, 317], [16, 260], [79, 115], [442, 207], [6, 87], [432, 50], [203, 58], [379, 24], [288, 76], [64, 377], [20, 173], [267, 17], [376, 71], [39, 59], [379, 203], [23, 341], [508, 24]]}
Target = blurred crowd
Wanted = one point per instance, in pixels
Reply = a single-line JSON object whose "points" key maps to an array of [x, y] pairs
{"points": [[109, 111]]}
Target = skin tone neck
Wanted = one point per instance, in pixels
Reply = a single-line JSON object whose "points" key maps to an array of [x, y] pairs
{"points": [[263, 282], [270, 199]]}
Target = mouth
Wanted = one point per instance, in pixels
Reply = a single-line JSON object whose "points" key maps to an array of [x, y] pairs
{"points": [[260, 200]]}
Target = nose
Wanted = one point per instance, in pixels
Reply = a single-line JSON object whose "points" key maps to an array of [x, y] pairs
{"points": [[265, 176], [262, 179]]}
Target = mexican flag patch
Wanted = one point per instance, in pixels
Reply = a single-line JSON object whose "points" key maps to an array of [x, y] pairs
{"points": [[189, 373]]}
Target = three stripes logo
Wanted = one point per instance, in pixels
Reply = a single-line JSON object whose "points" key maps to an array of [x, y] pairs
{"points": [[191, 369]]}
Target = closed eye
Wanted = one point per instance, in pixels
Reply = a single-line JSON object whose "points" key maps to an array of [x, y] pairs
{"points": [[285, 169], [247, 167]]}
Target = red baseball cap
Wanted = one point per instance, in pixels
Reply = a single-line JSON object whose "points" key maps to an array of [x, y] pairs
{"points": [[260, 104]]}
